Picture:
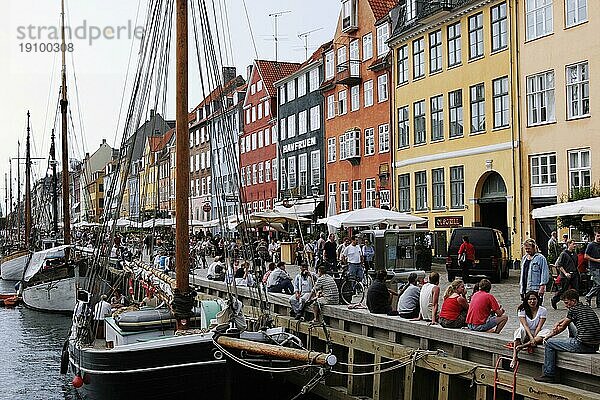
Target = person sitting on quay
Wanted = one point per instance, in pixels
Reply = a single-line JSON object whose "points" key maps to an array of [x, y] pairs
{"points": [[485, 314], [150, 300], [429, 299], [280, 281], [304, 282], [325, 291], [534, 270], [455, 306], [118, 300], [531, 331], [216, 270], [569, 275], [584, 334], [242, 276], [270, 269], [379, 296], [408, 303]]}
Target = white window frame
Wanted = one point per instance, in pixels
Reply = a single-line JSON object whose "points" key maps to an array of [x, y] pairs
{"points": [[344, 199], [260, 172], [367, 46], [418, 49], [331, 149], [576, 12], [267, 171], [499, 22], [313, 77], [354, 98], [291, 126], [370, 192], [260, 139], [291, 90], [369, 141], [476, 46], [315, 167], [477, 101], [454, 44], [577, 78], [291, 172], [368, 93], [342, 102], [329, 65], [542, 169], [356, 195], [403, 127], [303, 173], [382, 88], [538, 19], [383, 33], [540, 98], [419, 114], [301, 85], [580, 169], [315, 118], [302, 122], [402, 67], [436, 110], [330, 106], [384, 138], [500, 102]]}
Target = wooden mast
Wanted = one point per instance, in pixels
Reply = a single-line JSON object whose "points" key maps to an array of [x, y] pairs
{"points": [[28, 185], [54, 188], [65, 146], [19, 193], [181, 307]]}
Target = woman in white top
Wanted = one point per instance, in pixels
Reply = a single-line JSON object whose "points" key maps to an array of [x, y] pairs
{"points": [[429, 299], [530, 332]]}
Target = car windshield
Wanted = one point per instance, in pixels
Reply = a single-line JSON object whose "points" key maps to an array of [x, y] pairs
{"points": [[478, 237]]}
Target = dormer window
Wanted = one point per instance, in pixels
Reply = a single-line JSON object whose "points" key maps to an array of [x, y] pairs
{"points": [[411, 10], [349, 15]]}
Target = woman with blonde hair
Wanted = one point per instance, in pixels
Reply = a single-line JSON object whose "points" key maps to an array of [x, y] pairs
{"points": [[455, 306]]}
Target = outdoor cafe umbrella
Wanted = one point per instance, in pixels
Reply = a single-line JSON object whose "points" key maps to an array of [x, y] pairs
{"points": [[272, 216], [372, 216], [585, 207]]}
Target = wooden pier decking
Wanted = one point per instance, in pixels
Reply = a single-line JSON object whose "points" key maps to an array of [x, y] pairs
{"points": [[461, 368]]}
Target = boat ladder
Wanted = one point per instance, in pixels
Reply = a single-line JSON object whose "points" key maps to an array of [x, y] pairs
{"points": [[497, 382]]}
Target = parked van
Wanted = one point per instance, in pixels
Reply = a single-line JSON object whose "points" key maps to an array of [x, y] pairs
{"points": [[491, 253]]}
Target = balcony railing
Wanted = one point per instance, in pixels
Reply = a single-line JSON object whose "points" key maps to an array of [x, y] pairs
{"points": [[348, 73], [427, 10]]}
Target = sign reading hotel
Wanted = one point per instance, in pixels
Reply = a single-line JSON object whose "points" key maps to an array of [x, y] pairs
{"points": [[300, 144], [449, 222]]}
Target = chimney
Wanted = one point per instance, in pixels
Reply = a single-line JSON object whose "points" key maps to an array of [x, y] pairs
{"points": [[249, 72], [103, 142], [151, 113], [228, 74]]}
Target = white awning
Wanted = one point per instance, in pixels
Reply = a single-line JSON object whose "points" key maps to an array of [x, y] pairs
{"points": [[579, 207], [302, 208]]}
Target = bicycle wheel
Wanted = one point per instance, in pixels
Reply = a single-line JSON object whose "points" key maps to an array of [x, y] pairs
{"points": [[352, 292], [367, 280]]}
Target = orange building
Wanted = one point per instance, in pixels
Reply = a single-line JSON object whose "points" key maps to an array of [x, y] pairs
{"points": [[357, 107]]}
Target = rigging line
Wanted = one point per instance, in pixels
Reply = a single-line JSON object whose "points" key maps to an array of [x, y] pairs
{"points": [[250, 28], [50, 86], [228, 29], [217, 32]]}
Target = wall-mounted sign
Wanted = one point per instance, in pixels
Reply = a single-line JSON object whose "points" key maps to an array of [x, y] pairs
{"points": [[449, 222], [206, 207], [300, 144]]}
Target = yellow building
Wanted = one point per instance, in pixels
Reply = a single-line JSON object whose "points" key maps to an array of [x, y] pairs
{"points": [[456, 132], [148, 176], [557, 73]]}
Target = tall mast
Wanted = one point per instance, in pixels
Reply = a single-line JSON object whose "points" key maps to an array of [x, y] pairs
{"points": [[65, 146], [6, 214], [28, 185], [182, 241], [18, 191], [10, 196], [54, 184]]}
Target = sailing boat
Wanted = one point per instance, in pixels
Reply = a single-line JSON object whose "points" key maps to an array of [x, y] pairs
{"points": [[141, 354]]}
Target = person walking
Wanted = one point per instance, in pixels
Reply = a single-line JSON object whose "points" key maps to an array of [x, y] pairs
{"points": [[534, 272], [466, 256], [584, 334], [554, 249], [369, 255], [352, 255], [592, 255], [569, 275]]}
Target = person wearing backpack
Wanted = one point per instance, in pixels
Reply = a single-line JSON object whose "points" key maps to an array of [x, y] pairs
{"points": [[466, 256]]}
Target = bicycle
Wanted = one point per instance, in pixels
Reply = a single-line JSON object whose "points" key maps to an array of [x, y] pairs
{"points": [[352, 290]]}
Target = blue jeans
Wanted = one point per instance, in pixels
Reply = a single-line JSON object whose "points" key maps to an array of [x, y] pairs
{"points": [[356, 271], [570, 345]]}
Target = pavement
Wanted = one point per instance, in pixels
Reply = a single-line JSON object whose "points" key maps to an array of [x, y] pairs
{"points": [[507, 294]]}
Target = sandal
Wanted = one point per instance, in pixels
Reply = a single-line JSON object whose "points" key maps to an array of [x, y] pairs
{"points": [[510, 345]]}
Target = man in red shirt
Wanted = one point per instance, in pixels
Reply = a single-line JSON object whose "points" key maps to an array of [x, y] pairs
{"points": [[485, 314], [466, 261]]}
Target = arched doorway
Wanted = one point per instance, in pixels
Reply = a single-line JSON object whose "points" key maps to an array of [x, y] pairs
{"points": [[492, 203]]}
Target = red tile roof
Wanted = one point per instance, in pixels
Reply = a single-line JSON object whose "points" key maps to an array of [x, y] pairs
{"points": [[317, 54], [382, 7], [158, 143], [272, 71]]}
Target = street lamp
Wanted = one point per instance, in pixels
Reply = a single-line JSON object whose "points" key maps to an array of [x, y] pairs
{"points": [[315, 194]]}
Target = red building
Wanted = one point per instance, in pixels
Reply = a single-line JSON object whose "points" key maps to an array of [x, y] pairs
{"points": [[258, 142], [356, 92]]}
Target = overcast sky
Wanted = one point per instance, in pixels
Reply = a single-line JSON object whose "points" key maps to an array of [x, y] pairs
{"points": [[97, 67]]}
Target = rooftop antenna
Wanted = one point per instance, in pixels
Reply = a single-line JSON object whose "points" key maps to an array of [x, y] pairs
{"points": [[276, 15], [304, 36]]}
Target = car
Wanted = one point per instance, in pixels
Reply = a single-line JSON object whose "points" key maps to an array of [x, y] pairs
{"points": [[491, 253]]}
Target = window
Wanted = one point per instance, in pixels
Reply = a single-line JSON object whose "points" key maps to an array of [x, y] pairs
{"points": [[543, 169], [260, 172], [313, 77], [267, 171], [344, 200], [303, 173], [260, 110], [500, 94], [342, 147], [369, 141], [435, 51], [579, 169], [342, 58], [248, 175], [253, 114], [382, 88], [315, 118], [354, 57], [454, 45], [267, 137], [267, 108], [383, 34], [540, 98], [404, 192], [242, 146], [368, 93], [477, 108], [291, 90], [330, 106], [259, 86], [538, 18], [254, 180], [348, 14], [370, 192], [248, 116], [476, 36], [281, 95], [342, 103], [438, 189], [274, 168], [455, 106], [499, 32], [419, 121], [274, 134], [352, 143], [457, 187], [282, 128], [329, 65], [253, 88], [418, 58], [302, 122], [402, 67], [291, 126], [315, 168], [356, 195], [578, 90], [260, 139], [331, 189], [301, 85], [576, 12], [437, 118], [367, 44], [291, 172], [421, 191], [331, 149], [253, 141], [384, 138], [354, 98], [403, 127]]}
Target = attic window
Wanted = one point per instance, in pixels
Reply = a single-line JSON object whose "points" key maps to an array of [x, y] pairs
{"points": [[349, 15]]}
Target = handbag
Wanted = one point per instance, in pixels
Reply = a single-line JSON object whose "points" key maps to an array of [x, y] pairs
{"points": [[462, 257]]}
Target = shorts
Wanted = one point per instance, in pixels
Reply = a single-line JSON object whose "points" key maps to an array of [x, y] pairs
{"points": [[489, 324]]}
